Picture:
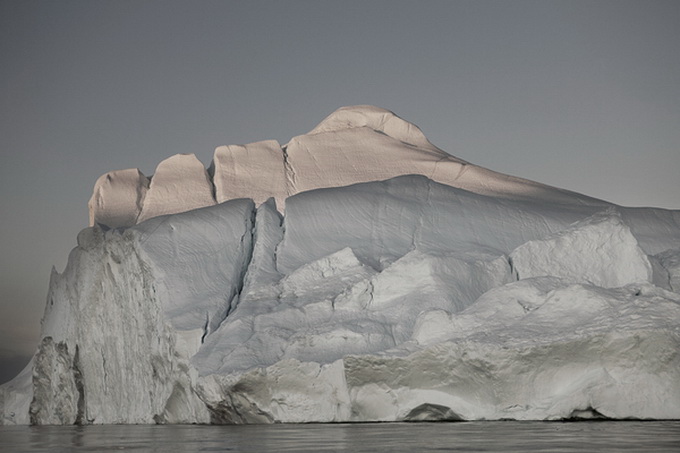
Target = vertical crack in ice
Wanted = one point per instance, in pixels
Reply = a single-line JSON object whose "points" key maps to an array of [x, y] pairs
{"points": [[210, 171], [80, 386], [290, 175], [369, 289], [106, 375], [206, 327], [249, 236], [141, 197], [513, 272], [282, 225]]}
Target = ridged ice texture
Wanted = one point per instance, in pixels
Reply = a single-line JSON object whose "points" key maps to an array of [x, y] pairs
{"points": [[377, 301], [255, 171], [354, 144], [200, 257], [180, 184], [585, 252], [526, 350], [536, 349], [108, 355], [118, 198], [670, 261]]}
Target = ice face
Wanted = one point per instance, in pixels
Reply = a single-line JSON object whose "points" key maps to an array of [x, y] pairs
{"points": [[118, 198], [180, 184], [585, 253], [109, 353], [199, 258], [352, 145], [255, 171], [670, 262], [403, 299], [391, 300]]}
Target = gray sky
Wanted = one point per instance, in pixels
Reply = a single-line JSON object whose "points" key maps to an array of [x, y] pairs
{"points": [[583, 95]]}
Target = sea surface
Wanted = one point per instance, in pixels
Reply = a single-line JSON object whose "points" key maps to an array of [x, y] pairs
{"points": [[510, 436]]}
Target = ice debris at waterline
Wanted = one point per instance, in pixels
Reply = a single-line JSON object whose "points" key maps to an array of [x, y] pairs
{"points": [[397, 283]]}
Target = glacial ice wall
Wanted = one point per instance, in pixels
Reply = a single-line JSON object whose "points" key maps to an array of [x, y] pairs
{"points": [[108, 354], [456, 293], [401, 303]]}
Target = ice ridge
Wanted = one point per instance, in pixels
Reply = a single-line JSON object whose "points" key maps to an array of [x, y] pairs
{"points": [[352, 145]]}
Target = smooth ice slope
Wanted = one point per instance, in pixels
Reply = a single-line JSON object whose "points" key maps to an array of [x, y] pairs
{"points": [[385, 220], [365, 143], [374, 301]]}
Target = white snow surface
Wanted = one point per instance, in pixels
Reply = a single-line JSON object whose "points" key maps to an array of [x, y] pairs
{"points": [[400, 299]]}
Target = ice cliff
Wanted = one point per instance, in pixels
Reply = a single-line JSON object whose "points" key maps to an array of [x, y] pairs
{"points": [[357, 273], [353, 145]]}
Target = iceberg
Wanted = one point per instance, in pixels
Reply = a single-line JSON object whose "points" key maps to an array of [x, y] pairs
{"points": [[357, 273]]}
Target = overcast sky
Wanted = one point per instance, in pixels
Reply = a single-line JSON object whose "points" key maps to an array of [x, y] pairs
{"points": [[582, 95]]}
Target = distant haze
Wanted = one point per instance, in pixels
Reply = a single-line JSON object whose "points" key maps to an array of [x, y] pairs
{"points": [[580, 95]]}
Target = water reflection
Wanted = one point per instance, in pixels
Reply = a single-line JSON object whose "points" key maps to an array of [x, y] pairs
{"points": [[393, 437]]}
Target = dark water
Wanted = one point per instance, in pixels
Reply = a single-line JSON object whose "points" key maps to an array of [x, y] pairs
{"points": [[391, 437]]}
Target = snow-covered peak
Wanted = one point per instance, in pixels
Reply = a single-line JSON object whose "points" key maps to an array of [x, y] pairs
{"points": [[375, 118]]}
